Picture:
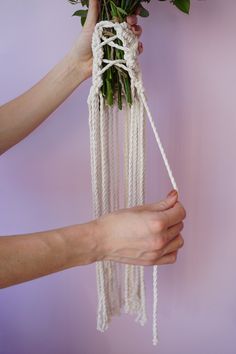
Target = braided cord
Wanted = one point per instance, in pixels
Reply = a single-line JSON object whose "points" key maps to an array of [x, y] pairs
{"points": [[134, 172]]}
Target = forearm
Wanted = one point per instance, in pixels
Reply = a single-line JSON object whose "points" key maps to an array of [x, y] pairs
{"points": [[30, 256], [23, 114]]}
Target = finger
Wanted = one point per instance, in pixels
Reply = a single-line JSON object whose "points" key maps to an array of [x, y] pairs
{"points": [[137, 10], [173, 231], [137, 30], [140, 47], [174, 215], [173, 245], [132, 20], [92, 15], [164, 204], [167, 259], [150, 260]]}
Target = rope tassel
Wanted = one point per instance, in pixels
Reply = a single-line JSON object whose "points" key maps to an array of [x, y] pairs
{"points": [[119, 286]]}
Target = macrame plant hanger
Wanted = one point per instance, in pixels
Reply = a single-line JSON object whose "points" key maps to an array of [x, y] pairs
{"points": [[119, 286]]}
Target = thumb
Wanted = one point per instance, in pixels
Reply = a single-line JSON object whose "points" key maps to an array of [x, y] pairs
{"points": [[169, 202], [92, 15]]}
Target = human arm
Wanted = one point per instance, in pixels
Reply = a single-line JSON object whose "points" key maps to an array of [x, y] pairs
{"points": [[143, 235], [22, 115]]}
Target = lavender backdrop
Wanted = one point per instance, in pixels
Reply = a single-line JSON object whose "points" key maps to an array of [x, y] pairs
{"points": [[189, 74]]}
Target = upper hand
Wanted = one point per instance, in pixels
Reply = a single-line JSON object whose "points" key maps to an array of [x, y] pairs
{"points": [[82, 47]]}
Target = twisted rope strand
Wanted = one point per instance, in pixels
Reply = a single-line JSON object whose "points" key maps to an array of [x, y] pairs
{"points": [[133, 161]]}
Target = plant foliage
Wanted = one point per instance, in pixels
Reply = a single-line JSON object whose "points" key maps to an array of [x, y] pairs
{"points": [[116, 81]]}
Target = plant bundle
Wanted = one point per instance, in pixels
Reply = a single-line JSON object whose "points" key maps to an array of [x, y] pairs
{"points": [[116, 81]]}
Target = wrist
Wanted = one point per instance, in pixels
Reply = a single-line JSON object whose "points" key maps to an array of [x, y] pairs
{"points": [[81, 69], [102, 233], [82, 244]]}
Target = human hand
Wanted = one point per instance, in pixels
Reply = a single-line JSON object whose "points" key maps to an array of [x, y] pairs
{"points": [[82, 47], [142, 235]]}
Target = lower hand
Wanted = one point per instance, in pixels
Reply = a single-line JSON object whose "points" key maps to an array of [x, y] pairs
{"points": [[143, 235]]}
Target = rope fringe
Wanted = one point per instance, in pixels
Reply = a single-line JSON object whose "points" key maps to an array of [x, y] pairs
{"points": [[104, 124]]}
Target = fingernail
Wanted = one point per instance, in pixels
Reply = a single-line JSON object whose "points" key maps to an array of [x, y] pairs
{"points": [[140, 45], [172, 194]]}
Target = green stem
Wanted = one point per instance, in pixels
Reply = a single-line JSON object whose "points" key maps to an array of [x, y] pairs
{"points": [[128, 90]]}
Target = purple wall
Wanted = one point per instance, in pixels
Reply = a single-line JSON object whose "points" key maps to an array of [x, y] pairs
{"points": [[189, 74]]}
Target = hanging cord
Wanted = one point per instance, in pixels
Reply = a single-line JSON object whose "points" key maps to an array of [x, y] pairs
{"points": [[130, 64]]}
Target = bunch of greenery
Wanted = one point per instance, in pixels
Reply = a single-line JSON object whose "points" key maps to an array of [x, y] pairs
{"points": [[116, 81]]}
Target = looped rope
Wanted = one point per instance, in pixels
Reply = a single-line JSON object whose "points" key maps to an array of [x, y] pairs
{"points": [[134, 297]]}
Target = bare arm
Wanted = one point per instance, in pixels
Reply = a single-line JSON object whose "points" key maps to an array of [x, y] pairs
{"points": [[26, 257], [23, 114], [144, 235]]}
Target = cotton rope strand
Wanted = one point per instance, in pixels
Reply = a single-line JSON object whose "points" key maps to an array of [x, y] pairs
{"points": [[104, 189]]}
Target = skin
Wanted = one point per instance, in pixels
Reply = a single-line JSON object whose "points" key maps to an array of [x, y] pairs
{"points": [[143, 235]]}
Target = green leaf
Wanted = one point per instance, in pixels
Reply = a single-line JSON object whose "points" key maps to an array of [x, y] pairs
{"points": [[82, 20], [81, 13], [122, 11], [183, 5], [143, 12], [74, 2], [84, 3], [114, 11]]}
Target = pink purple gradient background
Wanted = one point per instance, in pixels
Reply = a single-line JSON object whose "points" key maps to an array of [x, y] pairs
{"points": [[189, 75]]}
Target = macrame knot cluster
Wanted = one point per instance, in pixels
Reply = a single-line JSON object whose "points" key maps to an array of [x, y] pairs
{"points": [[120, 286], [130, 48]]}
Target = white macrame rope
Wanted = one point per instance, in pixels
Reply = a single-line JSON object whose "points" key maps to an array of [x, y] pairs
{"points": [[105, 184]]}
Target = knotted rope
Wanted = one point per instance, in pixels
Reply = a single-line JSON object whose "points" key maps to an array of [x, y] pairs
{"points": [[105, 171]]}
